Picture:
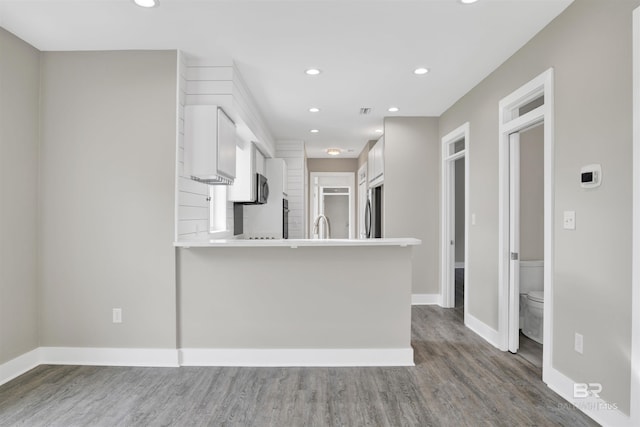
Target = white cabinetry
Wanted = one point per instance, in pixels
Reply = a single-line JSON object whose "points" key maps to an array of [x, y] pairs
{"points": [[244, 186], [209, 144], [375, 163], [265, 221]]}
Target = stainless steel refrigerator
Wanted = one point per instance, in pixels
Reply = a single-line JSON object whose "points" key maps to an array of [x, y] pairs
{"points": [[373, 213]]}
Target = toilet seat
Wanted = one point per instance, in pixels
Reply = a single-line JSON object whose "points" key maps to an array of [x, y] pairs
{"points": [[537, 296]]}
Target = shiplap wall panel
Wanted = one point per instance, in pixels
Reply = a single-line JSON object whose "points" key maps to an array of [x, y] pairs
{"points": [[206, 87], [202, 84], [193, 209], [208, 72], [293, 154], [192, 228]]}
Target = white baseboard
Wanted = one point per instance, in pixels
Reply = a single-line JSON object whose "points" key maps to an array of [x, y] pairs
{"points": [[109, 356], [18, 366], [426, 299], [601, 411], [296, 357], [485, 331]]}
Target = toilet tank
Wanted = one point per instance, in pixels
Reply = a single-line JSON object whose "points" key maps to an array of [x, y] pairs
{"points": [[531, 276]]}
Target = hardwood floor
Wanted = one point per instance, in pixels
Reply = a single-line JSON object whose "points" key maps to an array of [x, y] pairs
{"points": [[458, 380]]}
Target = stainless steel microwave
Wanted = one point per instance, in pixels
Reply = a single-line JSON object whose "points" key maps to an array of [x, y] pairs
{"points": [[262, 189]]}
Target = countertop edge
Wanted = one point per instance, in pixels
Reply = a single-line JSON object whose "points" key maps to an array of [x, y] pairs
{"points": [[295, 243]]}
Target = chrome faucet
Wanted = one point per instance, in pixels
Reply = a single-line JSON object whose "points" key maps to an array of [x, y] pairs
{"points": [[316, 227]]}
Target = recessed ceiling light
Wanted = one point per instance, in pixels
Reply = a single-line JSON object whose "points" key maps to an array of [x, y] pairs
{"points": [[314, 131], [378, 130], [314, 110], [333, 151], [420, 71], [393, 109], [147, 3], [312, 71], [468, 1]]}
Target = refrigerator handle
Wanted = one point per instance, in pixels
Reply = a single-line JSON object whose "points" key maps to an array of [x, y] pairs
{"points": [[367, 219]]}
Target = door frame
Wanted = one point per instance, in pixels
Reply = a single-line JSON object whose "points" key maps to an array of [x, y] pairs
{"points": [[314, 204], [635, 253], [510, 122], [321, 204], [447, 203]]}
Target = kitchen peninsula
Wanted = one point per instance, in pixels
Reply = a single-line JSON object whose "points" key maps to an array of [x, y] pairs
{"points": [[298, 302]]}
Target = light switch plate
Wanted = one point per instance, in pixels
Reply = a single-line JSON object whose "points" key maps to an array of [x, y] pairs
{"points": [[569, 221]]}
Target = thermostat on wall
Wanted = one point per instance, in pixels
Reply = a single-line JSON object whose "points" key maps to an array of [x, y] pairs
{"points": [[591, 176]]}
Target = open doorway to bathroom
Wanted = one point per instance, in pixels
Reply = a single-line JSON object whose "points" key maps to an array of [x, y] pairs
{"points": [[528, 175], [525, 279]]}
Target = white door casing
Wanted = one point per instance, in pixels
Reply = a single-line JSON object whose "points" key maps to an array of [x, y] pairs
{"points": [[447, 231], [511, 122]]}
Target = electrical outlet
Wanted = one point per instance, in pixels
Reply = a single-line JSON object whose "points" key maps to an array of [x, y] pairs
{"points": [[473, 219], [117, 315], [578, 343]]}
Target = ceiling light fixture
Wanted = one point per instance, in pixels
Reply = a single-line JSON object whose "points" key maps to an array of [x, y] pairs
{"points": [[312, 72], [314, 131], [393, 109], [333, 151], [420, 71], [314, 110], [378, 130], [147, 3], [468, 1]]}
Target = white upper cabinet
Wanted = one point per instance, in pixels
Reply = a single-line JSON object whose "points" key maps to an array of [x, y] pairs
{"points": [[375, 163], [244, 186], [209, 144]]}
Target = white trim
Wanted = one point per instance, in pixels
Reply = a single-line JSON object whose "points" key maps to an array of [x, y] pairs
{"points": [[635, 253], [316, 206], [447, 209], [509, 123], [459, 264], [160, 357], [485, 331], [19, 365], [426, 299], [287, 357], [600, 410]]}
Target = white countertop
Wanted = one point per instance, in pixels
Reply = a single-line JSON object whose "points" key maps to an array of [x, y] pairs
{"points": [[295, 243]]}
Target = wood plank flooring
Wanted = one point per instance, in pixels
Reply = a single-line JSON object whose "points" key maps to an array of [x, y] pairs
{"points": [[458, 380]]}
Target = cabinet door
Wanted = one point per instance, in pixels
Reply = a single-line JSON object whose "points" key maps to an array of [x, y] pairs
{"points": [[371, 161], [380, 158], [244, 186], [226, 145]]}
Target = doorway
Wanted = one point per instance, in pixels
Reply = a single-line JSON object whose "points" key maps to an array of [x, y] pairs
{"points": [[527, 111], [332, 197], [455, 219], [526, 207]]}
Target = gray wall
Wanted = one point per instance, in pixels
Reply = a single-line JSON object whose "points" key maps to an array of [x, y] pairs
{"points": [[589, 46], [411, 193], [19, 97], [532, 194], [107, 208], [332, 165], [347, 304]]}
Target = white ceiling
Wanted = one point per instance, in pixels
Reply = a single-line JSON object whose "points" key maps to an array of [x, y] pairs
{"points": [[366, 49]]}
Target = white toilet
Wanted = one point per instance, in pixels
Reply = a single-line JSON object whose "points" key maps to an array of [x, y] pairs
{"points": [[532, 299]]}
